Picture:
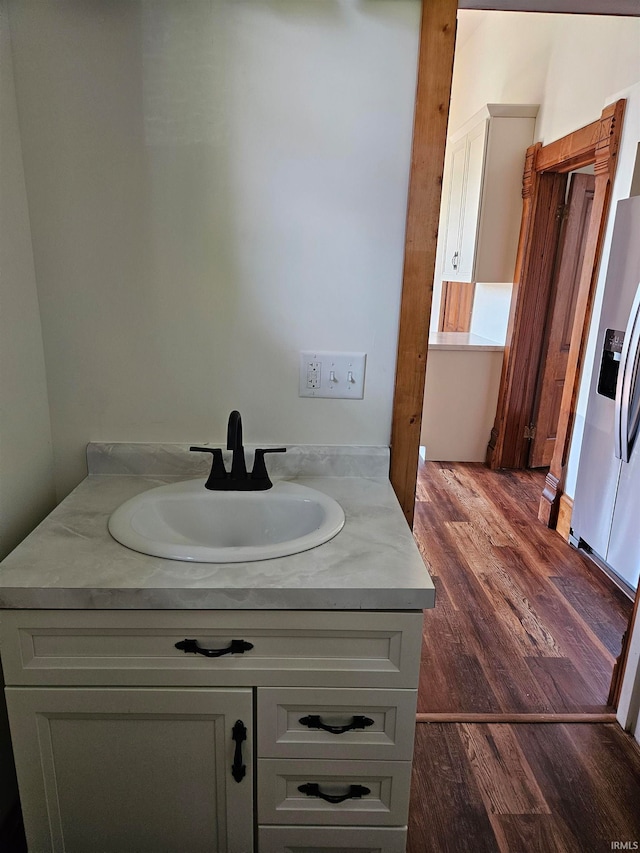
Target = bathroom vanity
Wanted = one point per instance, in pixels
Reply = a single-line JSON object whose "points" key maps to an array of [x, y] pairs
{"points": [[158, 705]]}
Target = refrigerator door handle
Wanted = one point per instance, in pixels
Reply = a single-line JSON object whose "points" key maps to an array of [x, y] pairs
{"points": [[625, 384]]}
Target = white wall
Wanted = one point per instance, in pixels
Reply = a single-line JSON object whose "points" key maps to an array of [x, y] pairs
{"points": [[569, 64], [213, 187], [500, 57], [26, 481], [490, 315]]}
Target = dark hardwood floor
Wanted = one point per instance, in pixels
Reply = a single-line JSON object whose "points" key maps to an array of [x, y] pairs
{"points": [[523, 623], [524, 788]]}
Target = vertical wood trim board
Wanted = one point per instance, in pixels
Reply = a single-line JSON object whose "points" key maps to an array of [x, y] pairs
{"points": [[435, 69], [565, 511], [456, 306]]}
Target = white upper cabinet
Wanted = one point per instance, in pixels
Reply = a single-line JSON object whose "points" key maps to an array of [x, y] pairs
{"points": [[482, 199]]}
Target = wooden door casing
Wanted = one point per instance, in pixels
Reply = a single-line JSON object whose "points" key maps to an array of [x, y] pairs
{"points": [[596, 143], [562, 305]]}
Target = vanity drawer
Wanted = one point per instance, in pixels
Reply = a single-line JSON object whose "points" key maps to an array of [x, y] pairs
{"points": [[385, 802], [289, 648], [363, 724], [329, 839]]}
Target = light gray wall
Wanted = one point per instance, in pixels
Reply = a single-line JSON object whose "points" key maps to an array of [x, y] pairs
{"points": [[26, 491], [214, 187], [26, 470]]}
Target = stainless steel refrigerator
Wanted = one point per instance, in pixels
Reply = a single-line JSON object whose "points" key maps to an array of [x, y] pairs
{"points": [[606, 510]]}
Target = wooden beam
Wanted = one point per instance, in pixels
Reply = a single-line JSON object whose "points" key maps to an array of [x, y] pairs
{"points": [[435, 68]]}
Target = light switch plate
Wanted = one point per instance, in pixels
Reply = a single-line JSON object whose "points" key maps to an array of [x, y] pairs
{"points": [[332, 374]]}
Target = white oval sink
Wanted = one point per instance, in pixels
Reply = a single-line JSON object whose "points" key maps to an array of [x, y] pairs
{"points": [[185, 521]]}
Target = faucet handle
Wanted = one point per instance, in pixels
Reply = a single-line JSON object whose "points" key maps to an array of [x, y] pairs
{"points": [[218, 472], [259, 475]]}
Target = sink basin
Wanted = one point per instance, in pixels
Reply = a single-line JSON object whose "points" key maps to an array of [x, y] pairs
{"points": [[185, 521]]}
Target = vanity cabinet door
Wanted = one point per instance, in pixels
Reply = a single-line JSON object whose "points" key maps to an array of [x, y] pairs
{"points": [[143, 770]]}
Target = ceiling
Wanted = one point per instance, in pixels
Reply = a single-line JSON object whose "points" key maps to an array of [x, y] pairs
{"points": [[584, 7]]}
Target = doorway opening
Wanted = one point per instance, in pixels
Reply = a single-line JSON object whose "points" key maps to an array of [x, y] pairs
{"points": [[544, 190], [546, 176]]}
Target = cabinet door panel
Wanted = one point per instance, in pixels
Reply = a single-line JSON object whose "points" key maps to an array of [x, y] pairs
{"points": [[455, 200], [144, 770], [483, 184], [471, 205]]}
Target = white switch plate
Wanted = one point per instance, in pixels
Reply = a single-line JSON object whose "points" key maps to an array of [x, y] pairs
{"points": [[332, 374]]}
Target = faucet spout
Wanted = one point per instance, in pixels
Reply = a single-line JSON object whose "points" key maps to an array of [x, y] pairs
{"points": [[234, 443], [237, 480]]}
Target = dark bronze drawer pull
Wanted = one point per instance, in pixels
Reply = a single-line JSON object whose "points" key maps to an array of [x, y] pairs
{"points": [[238, 734], [236, 647], [313, 721], [356, 792]]}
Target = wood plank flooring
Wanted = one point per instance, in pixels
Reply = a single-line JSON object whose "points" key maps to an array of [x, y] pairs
{"points": [[523, 623], [546, 788]]}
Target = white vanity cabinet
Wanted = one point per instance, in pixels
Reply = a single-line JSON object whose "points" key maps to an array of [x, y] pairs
{"points": [[482, 200], [125, 742]]}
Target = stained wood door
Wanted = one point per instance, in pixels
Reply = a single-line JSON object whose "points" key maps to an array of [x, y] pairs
{"points": [[553, 366], [456, 306]]}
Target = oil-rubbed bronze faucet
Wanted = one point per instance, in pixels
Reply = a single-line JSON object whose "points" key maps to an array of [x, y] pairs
{"points": [[237, 479]]}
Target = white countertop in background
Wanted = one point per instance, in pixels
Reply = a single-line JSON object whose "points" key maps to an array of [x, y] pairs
{"points": [[71, 561], [462, 341]]}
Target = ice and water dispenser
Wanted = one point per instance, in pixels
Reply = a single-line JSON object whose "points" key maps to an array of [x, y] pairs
{"points": [[611, 353]]}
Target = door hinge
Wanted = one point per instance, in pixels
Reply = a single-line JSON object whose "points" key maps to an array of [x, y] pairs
{"points": [[562, 211], [530, 432]]}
